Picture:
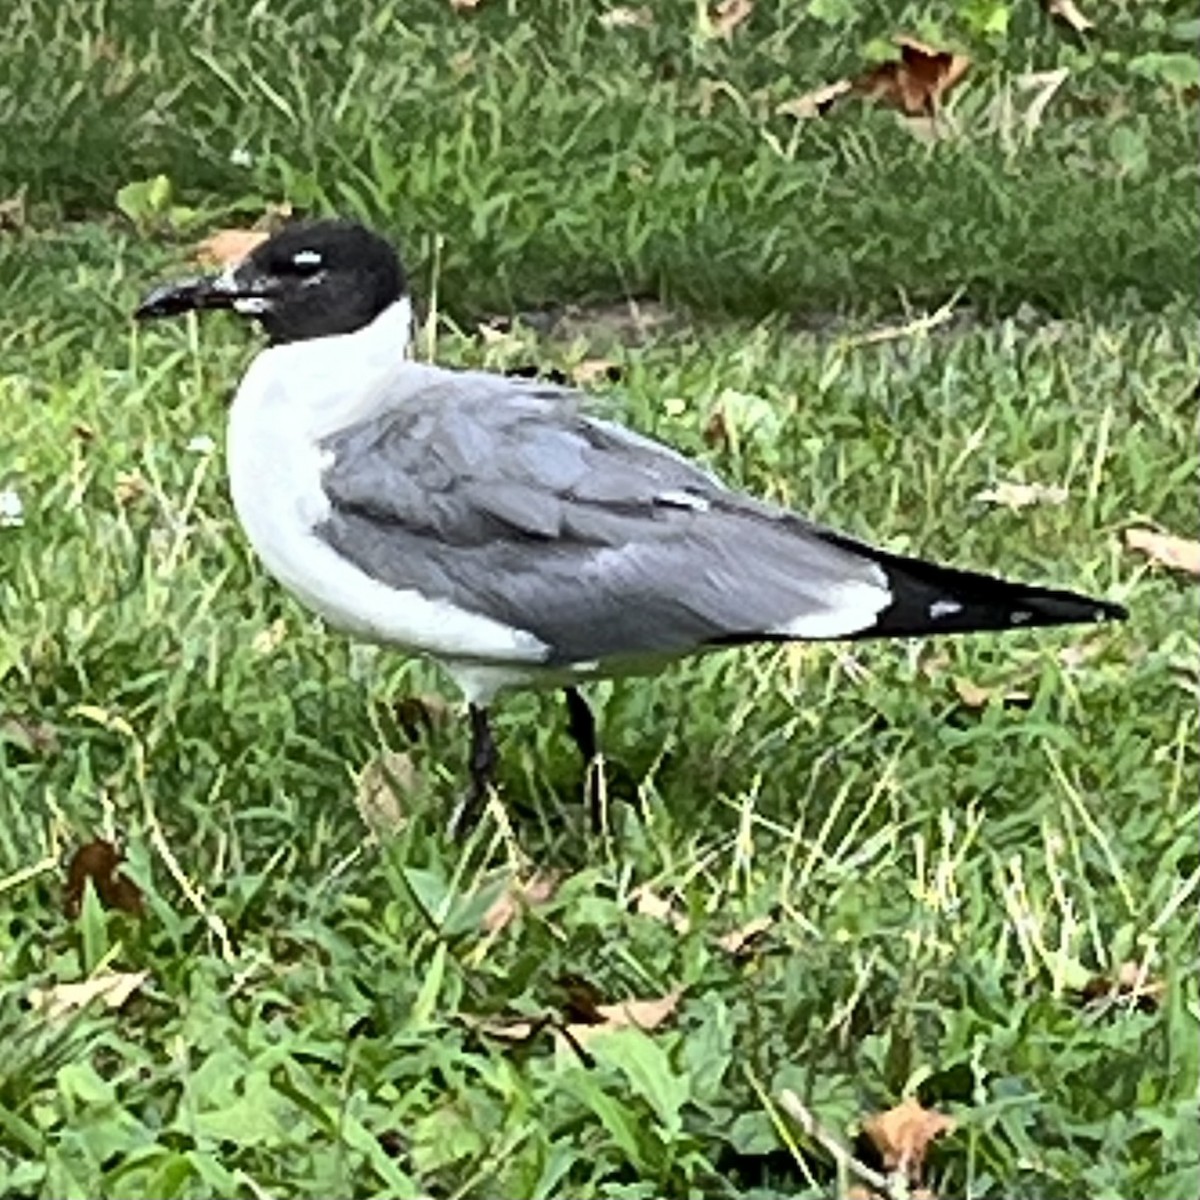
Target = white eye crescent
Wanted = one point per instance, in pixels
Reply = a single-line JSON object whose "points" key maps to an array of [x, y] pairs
{"points": [[307, 258]]}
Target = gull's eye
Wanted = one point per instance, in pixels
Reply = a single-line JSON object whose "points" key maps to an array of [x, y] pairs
{"points": [[307, 262]]}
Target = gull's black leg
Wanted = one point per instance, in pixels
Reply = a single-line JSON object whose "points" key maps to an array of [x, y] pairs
{"points": [[581, 725], [482, 765]]}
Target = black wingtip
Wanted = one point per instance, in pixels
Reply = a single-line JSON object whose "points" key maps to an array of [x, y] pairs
{"points": [[931, 599]]}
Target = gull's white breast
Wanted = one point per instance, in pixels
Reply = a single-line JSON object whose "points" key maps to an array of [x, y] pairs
{"points": [[291, 398]]}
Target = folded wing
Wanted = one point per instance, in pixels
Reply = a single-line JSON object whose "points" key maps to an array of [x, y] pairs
{"points": [[509, 499]]}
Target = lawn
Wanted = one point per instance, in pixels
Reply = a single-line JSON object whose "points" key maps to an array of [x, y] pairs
{"points": [[962, 872]]}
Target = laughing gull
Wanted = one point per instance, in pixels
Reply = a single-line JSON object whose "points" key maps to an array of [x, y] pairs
{"points": [[505, 530]]}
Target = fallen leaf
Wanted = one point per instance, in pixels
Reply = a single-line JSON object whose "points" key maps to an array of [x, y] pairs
{"points": [[1131, 983], [268, 639], [739, 942], [1166, 549], [1021, 495], [100, 861], [592, 369], [918, 82], [623, 17], [498, 331], [902, 1135], [129, 488], [228, 246], [728, 15], [815, 103], [33, 737], [517, 1030], [520, 896], [12, 212], [646, 902], [934, 659], [1068, 12], [975, 695], [858, 1192], [1076, 654], [382, 785], [646, 1015], [716, 431], [111, 988], [419, 716], [586, 1017]]}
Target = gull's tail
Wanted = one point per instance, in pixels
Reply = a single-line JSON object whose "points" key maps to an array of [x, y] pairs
{"points": [[932, 599]]}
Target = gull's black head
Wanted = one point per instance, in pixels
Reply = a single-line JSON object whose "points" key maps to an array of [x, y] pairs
{"points": [[310, 280]]}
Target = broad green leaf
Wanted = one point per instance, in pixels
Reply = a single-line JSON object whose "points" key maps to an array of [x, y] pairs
{"points": [[646, 1066]]}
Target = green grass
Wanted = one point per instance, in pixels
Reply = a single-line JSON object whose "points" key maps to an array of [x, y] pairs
{"points": [[942, 878]]}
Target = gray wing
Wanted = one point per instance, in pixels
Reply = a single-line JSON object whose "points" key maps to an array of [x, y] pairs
{"points": [[509, 499]]}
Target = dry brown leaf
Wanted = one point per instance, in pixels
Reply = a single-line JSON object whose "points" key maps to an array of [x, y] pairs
{"points": [[421, 715], [623, 17], [1021, 495], [861, 1193], [716, 430], [100, 862], [519, 896], [746, 937], [1181, 554], [646, 1015], [902, 1135], [35, 737], [228, 246], [129, 488], [917, 83], [112, 989], [383, 785], [1131, 983], [276, 214], [1067, 12], [646, 902], [815, 103], [858, 1192], [586, 1019], [728, 15], [1076, 654], [517, 1030], [934, 659], [592, 369], [12, 212], [975, 695]]}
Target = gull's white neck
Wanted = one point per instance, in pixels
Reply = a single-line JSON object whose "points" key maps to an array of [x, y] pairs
{"points": [[290, 399], [315, 386]]}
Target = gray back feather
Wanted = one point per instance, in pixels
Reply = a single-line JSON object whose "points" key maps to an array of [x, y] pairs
{"points": [[507, 498]]}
